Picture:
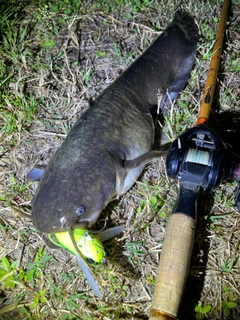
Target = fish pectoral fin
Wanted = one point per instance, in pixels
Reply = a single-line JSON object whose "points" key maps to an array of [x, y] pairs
{"points": [[143, 159], [109, 233], [122, 165], [36, 173], [117, 160]]}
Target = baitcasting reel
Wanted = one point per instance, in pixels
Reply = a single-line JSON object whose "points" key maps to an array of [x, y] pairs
{"points": [[199, 158]]}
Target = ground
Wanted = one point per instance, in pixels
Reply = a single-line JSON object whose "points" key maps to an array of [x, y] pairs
{"points": [[55, 56]]}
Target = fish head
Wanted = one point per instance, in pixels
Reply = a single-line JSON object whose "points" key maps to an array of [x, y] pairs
{"points": [[72, 198], [59, 214]]}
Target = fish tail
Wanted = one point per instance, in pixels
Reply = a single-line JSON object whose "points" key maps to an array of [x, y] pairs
{"points": [[186, 23], [184, 26]]}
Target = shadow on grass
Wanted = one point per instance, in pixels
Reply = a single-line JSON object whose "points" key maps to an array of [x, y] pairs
{"points": [[227, 126]]}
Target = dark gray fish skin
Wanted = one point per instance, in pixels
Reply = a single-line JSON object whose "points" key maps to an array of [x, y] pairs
{"points": [[105, 151]]}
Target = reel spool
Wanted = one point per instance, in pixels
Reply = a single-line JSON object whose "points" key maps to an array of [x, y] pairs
{"points": [[199, 158]]}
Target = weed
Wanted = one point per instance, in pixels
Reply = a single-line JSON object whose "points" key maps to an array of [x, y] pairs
{"points": [[228, 266], [120, 56], [222, 197], [87, 76], [201, 311], [150, 279], [220, 216], [135, 249], [10, 123], [67, 7], [68, 277], [114, 284], [27, 313], [235, 65], [90, 317], [10, 275], [6, 274], [38, 299], [14, 44], [17, 112], [35, 269], [8, 12], [228, 303], [179, 121], [101, 54], [135, 5], [228, 96], [16, 192], [155, 203], [48, 44], [18, 188], [72, 306]]}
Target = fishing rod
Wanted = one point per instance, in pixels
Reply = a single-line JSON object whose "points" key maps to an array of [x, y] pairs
{"points": [[199, 159], [209, 88]]}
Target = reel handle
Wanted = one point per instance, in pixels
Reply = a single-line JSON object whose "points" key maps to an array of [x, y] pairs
{"points": [[175, 257]]}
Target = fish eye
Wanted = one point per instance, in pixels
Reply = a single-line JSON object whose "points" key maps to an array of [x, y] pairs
{"points": [[80, 210]]}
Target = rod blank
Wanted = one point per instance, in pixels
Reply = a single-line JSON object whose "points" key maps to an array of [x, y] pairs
{"points": [[209, 88]]}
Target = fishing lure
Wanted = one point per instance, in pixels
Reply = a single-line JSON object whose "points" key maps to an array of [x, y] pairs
{"points": [[87, 247], [88, 244]]}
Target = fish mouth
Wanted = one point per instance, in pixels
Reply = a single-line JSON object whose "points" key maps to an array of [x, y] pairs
{"points": [[81, 225], [60, 226], [47, 226]]}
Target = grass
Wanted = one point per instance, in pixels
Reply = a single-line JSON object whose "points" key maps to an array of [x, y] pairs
{"points": [[55, 56]]}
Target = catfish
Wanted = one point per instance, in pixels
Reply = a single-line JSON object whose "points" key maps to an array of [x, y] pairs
{"points": [[107, 148]]}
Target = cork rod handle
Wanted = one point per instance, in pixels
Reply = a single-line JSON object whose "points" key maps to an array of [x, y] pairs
{"points": [[173, 267]]}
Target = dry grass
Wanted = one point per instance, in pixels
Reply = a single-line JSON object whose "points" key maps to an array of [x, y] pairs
{"points": [[59, 63]]}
